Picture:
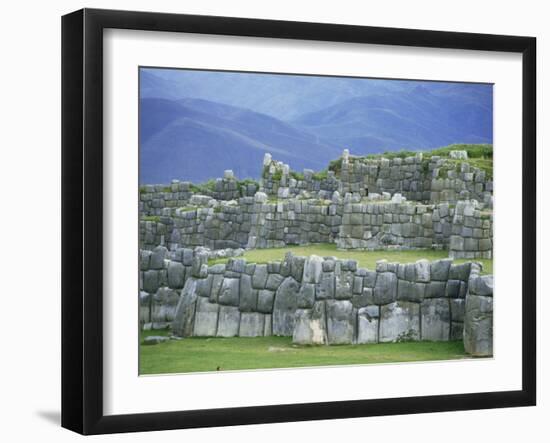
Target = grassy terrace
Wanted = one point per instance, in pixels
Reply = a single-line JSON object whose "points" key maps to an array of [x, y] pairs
{"points": [[365, 259], [209, 354]]}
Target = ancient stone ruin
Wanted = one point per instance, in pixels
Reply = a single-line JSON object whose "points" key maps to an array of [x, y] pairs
{"points": [[360, 204]]}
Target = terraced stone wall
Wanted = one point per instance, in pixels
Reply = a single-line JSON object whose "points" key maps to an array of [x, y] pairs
{"points": [[316, 300]]}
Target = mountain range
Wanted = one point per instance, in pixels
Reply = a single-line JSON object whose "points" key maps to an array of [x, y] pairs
{"points": [[196, 124]]}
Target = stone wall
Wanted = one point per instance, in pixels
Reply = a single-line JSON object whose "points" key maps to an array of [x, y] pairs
{"points": [[351, 223], [429, 180], [316, 300], [165, 199]]}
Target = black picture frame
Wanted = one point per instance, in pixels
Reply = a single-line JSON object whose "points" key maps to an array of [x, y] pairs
{"points": [[82, 218]]}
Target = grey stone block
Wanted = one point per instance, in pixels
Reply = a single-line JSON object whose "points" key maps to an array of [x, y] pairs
{"points": [[228, 321], [229, 292], [217, 281], [440, 269], [344, 286], [206, 318], [422, 271], [367, 324], [248, 299], [157, 257], [306, 296], [176, 275], [399, 321], [481, 285], [259, 278], [340, 321], [460, 272], [284, 307], [151, 281], [265, 300], [457, 330], [273, 281], [184, 318], [436, 319], [252, 324], [204, 286], [310, 326], [326, 288], [435, 289], [313, 267], [457, 309], [478, 325], [385, 290]]}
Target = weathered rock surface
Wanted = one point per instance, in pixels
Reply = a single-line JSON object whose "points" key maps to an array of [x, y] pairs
{"points": [[478, 325], [310, 325], [285, 306], [340, 322], [399, 321], [367, 324], [436, 319], [206, 318], [229, 319], [252, 324]]}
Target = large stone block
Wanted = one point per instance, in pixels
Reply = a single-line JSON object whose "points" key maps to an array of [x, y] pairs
{"points": [[176, 275], [422, 271], [163, 305], [151, 281], [265, 300], [306, 296], [481, 285], [478, 325], [184, 318], [385, 290], [217, 281], [252, 324], [310, 326], [435, 289], [204, 286], [410, 291], [229, 319], [157, 257], [340, 322], [440, 269], [436, 319], [248, 299], [144, 307], [344, 285], [259, 278], [367, 324], [326, 288], [297, 267], [399, 321], [273, 281], [285, 306], [229, 292], [313, 267], [144, 259], [457, 309], [206, 318], [460, 272]]}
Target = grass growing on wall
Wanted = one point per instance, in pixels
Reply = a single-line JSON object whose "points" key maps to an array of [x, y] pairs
{"points": [[365, 259], [207, 354]]}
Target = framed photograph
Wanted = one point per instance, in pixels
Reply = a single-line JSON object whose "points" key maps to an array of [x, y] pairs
{"points": [[269, 221]]}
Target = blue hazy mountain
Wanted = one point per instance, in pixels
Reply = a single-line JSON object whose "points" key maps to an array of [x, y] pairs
{"points": [[421, 118], [195, 124], [193, 139]]}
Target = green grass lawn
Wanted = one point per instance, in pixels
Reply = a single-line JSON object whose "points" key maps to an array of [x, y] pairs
{"points": [[365, 259], [238, 353]]}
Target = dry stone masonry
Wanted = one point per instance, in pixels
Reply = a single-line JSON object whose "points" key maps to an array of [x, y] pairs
{"points": [[358, 204], [316, 300]]}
